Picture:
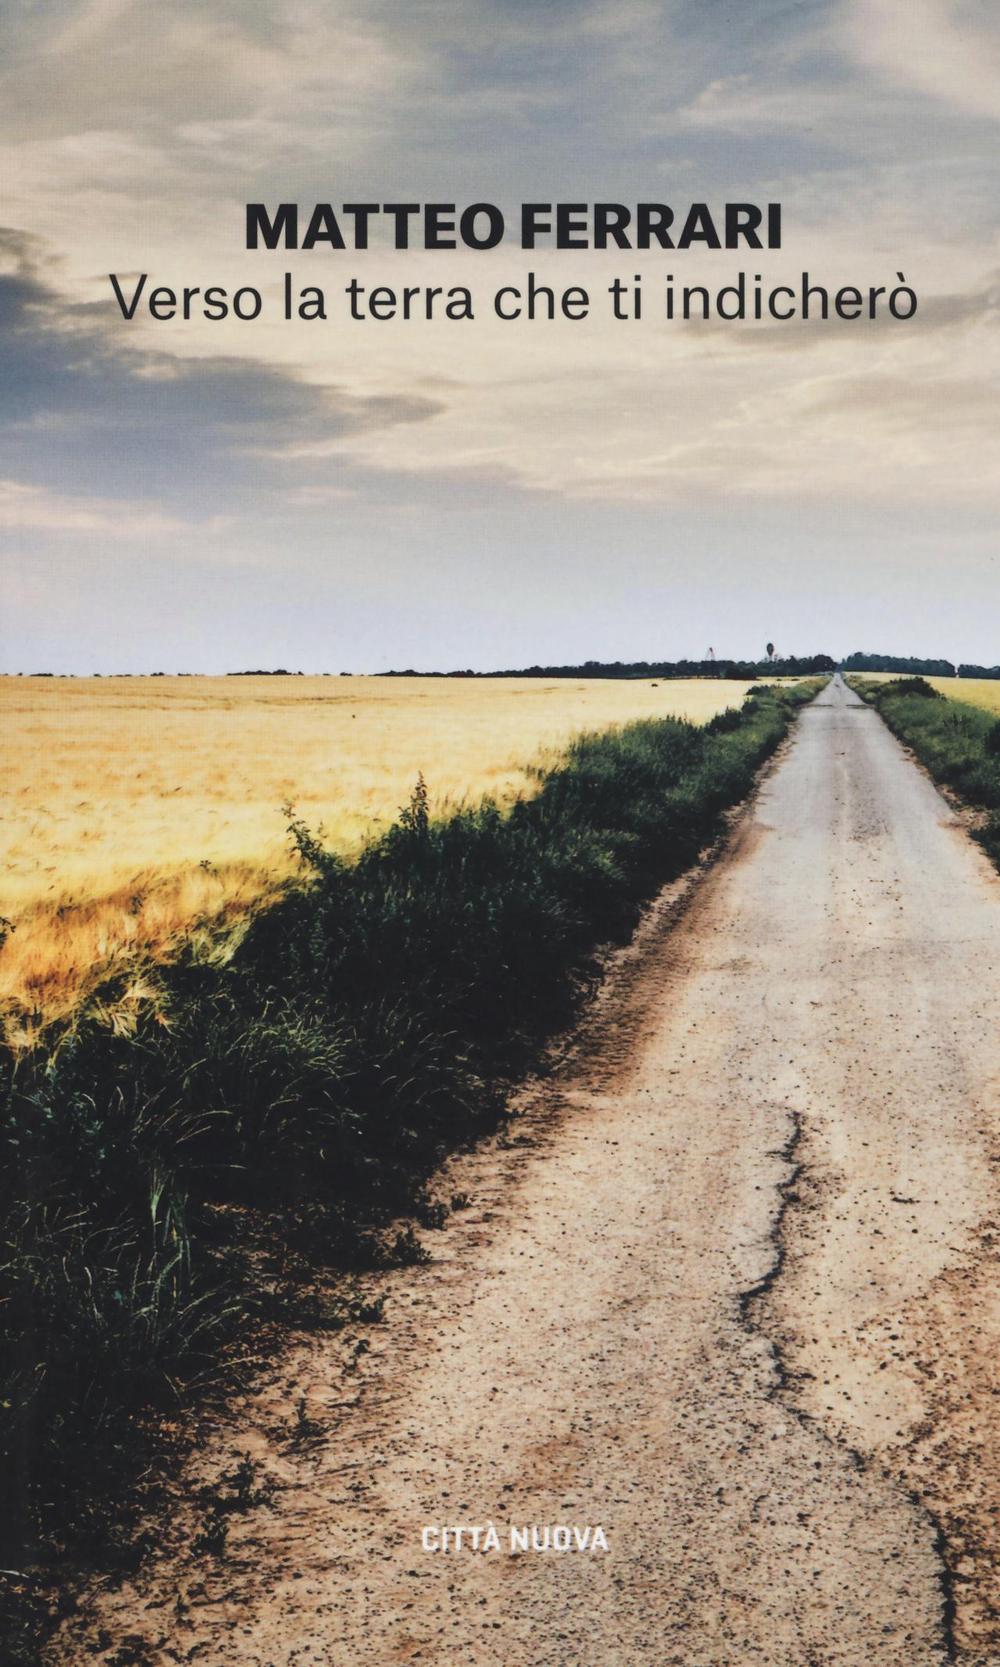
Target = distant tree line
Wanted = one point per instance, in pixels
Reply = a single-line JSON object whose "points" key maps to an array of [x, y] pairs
{"points": [[793, 665], [913, 666]]}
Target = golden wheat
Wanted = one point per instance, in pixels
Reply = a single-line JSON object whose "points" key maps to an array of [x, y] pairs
{"points": [[138, 807], [975, 691]]}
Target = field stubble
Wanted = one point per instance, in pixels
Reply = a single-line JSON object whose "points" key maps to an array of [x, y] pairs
{"points": [[141, 810]]}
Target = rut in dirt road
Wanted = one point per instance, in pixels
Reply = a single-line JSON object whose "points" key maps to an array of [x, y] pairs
{"points": [[736, 1304]]}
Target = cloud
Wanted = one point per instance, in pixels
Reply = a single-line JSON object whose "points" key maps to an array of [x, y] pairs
{"points": [[82, 410], [741, 104], [948, 50], [112, 65], [870, 77], [28, 507]]}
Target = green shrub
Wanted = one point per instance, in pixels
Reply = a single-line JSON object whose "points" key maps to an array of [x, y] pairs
{"points": [[918, 686]]}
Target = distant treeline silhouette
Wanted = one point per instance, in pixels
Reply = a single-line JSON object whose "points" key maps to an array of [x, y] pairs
{"points": [[915, 667], [792, 665]]}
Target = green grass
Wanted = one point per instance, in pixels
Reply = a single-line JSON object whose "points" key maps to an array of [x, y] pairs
{"points": [[959, 744], [292, 1103]]}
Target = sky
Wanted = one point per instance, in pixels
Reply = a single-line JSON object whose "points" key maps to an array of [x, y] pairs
{"points": [[330, 495]]}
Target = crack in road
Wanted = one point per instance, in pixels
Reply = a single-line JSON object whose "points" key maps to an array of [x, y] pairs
{"points": [[753, 1299]]}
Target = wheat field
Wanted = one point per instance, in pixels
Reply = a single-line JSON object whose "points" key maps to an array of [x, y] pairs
{"points": [[975, 691], [141, 809]]}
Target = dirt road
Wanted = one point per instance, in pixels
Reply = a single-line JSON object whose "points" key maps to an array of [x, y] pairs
{"points": [[736, 1302]]}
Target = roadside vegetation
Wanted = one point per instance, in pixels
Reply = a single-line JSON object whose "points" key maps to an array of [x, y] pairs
{"points": [[957, 741], [167, 1164]]}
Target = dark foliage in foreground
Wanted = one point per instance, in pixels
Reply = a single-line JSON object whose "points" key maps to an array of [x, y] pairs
{"points": [[301, 1094], [959, 744]]}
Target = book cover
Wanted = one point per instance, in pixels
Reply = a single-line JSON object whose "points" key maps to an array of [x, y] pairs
{"points": [[500, 922]]}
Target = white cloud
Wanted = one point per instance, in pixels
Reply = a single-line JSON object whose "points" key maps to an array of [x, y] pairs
{"points": [[116, 64], [27, 507], [893, 56], [746, 104], [937, 47]]}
